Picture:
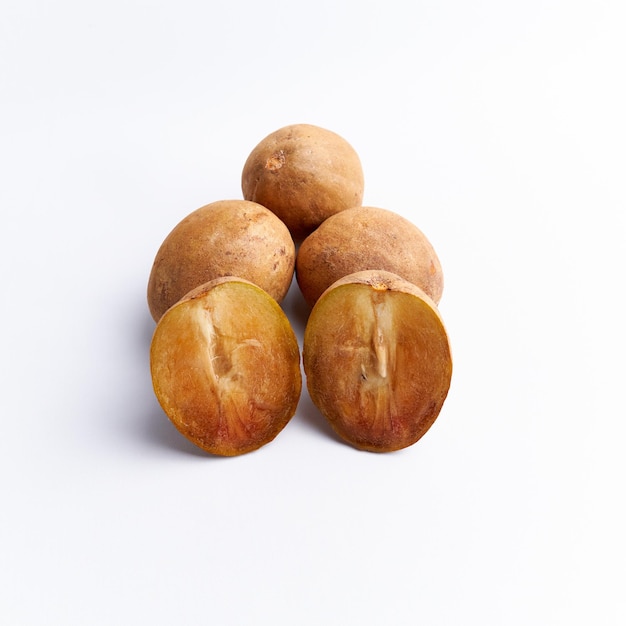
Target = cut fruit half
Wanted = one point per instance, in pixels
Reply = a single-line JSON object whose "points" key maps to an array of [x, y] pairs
{"points": [[377, 360], [225, 367]]}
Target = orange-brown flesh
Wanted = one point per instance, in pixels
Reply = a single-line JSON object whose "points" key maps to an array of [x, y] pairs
{"points": [[225, 367], [377, 361]]}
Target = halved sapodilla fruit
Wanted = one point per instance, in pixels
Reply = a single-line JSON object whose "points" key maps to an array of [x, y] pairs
{"points": [[225, 366], [377, 360]]}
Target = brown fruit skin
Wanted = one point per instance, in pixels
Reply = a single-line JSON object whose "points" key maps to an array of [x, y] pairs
{"points": [[363, 238], [304, 174], [377, 360], [224, 238], [225, 366]]}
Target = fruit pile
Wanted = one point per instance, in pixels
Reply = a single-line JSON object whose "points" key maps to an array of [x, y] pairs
{"points": [[224, 359]]}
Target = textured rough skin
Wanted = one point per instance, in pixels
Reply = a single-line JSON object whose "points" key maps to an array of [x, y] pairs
{"points": [[225, 367], [377, 360], [224, 238], [363, 238], [303, 174]]}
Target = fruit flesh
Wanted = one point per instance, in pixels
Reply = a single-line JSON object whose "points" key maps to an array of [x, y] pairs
{"points": [[378, 364], [226, 367]]}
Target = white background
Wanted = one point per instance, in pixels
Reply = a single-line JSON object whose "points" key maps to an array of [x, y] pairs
{"points": [[498, 128]]}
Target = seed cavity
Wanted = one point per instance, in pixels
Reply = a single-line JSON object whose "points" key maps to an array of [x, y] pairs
{"points": [[383, 329], [376, 389], [380, 349], [222, 351]]}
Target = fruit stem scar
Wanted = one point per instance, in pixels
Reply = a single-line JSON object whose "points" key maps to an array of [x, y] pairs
{"points": [[276, 161]]}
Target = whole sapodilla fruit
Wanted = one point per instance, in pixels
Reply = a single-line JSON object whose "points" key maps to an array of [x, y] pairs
{"points": [[224, 238], [367, 238], [304, 174], [377, 360]]}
